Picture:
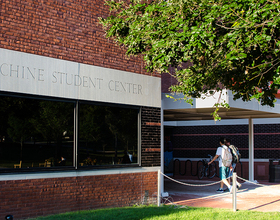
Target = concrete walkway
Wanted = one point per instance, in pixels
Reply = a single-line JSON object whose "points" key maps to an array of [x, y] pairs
{"points": [[249, 197]]}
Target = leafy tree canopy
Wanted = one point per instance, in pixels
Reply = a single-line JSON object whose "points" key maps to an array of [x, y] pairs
{"points": [[226, 44]]}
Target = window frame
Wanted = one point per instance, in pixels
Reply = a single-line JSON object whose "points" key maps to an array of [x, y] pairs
{"points": [[76, 106]]}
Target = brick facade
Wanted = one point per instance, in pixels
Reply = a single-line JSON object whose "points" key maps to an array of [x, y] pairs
{"points": [[39, 197], [199, 141], [150, 132], [69, 30]]}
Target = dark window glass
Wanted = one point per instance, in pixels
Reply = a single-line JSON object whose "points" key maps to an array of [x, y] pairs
{"points": [[40, 133], [35, 133], [107, 135]]}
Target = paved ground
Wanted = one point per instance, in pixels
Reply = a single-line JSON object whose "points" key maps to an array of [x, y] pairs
{"points": [[249, 197]]}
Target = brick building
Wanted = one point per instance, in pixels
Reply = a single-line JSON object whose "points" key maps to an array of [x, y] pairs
{"points": [[80, 122]]}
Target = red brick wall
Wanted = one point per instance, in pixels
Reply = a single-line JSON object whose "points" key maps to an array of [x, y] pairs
{"points": [[199, 141], [67, 30], [150, 137], [40, 197], [167, 80]]}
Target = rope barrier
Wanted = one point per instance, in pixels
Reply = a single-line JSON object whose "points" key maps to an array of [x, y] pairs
{"points": [[250, 181], [234, 193], [189, 184], [209, 184]]}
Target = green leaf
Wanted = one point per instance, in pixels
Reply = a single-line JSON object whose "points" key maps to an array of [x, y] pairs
{"points": [[233, 45]]}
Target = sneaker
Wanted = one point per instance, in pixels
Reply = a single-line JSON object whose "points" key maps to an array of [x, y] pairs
{"points": [[239, 186], [226, 190], [220, 190], [230, 189]]}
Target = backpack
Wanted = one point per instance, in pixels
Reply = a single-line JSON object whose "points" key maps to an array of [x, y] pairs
{"points": [[227, 157], [235, 154]]}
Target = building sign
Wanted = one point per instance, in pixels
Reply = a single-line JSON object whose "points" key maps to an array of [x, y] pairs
{"points": [[39, 75]]}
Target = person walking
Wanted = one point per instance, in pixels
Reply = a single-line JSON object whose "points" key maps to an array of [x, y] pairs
{"points": [[235, 160], [224, 166]]}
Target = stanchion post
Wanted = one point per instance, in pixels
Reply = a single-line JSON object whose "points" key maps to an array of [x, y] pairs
{"points": [[234, 191], [159, 188]]}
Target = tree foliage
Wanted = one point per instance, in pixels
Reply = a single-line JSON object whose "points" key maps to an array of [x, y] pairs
{"points": [[226, 44]]}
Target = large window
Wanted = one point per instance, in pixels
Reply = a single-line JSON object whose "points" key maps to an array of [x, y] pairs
{"points": [[107, 135], [40, 134], [35, 133]]}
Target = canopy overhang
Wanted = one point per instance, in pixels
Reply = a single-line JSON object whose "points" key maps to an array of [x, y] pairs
{"points": [[205, 114], [203, 107]]}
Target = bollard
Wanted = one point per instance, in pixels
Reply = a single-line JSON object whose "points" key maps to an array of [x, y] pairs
{"points": [[234, 191], [159, 189]]}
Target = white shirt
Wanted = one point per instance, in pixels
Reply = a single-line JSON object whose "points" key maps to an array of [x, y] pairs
{"points": [[220, 152]]}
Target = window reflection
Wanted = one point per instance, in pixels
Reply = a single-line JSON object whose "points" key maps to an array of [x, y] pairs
{"points": [[107, 135], [35, 133], [39, 133]]}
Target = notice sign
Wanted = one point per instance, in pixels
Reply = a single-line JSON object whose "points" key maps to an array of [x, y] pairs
{"points": [[39, 75]]}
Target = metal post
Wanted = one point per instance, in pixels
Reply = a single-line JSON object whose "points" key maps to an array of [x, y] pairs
{"points": [[251, 150], [161, 148], [234, 191], [159, 189]]}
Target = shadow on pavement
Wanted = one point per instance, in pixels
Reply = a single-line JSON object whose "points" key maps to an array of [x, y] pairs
{"points": [[262, 197]]}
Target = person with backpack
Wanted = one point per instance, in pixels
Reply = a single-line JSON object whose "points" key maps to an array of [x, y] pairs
{"points": [[235, 159], [225, 159]]}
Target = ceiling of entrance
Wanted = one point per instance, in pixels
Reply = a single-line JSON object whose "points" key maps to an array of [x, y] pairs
{"points": [[205, 114]]}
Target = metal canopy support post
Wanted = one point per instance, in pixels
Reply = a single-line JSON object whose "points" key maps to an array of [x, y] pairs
{"points": [[160, 177], [251, 150], [162, 150]]}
